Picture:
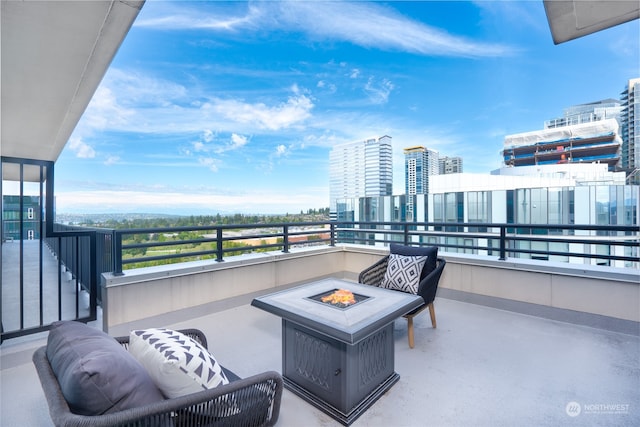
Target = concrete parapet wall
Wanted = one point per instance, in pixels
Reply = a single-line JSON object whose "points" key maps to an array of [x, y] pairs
{"points": [[148, 292], [153, 291], [591, 289]]}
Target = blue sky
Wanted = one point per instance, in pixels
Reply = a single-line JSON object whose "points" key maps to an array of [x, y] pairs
{"points": [[232, 107]]}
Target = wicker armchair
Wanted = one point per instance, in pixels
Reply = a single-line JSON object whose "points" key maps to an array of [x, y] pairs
{"points": [[427, 288], [256, 401]]}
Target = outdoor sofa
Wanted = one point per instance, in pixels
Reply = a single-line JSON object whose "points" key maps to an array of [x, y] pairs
{"points": [[252, 401]]}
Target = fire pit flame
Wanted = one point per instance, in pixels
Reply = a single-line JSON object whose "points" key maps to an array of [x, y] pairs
{"points": [[340, 297]]}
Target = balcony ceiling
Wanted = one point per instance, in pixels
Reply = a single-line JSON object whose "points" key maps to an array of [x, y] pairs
{"points": [[570, 19], [54, 55]]}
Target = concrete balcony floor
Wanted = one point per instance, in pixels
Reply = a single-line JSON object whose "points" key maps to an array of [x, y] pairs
{"points": [[482, 366]]}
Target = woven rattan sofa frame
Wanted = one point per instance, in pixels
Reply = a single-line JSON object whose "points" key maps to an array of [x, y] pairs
{"points": [[190, 410]]}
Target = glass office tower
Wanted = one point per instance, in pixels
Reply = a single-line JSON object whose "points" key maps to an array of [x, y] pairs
{"points": [[419, 164], [360, 169]]}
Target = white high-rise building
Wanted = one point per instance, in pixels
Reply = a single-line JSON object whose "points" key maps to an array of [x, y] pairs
{"points": [[587, 113], [568, 193], [450, 165], [419, 164], [630, 131], [360, 169]]}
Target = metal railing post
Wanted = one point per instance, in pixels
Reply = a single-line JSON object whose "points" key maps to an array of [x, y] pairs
{"points": [[219, 249], [503, 243], [285, 236], [333, 234], [96, 277], [405, 229], [117, 253]]}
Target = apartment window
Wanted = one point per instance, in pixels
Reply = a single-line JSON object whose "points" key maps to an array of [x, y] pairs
{"points": [[555, 206], [523, 200], [539, 213]]}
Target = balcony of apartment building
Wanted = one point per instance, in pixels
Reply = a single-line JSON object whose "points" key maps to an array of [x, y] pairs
{"points": [[518, 340]]}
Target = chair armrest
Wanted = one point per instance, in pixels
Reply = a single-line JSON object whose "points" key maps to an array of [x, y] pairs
{"points": [[429, 285], [253, 400], [374, 274]]}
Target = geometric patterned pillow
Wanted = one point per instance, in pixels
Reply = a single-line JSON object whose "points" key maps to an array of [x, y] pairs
{"points": [[403, 273], [177, 364]]}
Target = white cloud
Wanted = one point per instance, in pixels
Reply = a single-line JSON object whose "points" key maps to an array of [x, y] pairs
{"points": [[198, 146], [104, 110], [210, 163], [354, 74], [81, 149], [281, 150], [375, 26], [330, 87], [366, 24], [238, 141], [208, 135], [184, 18], [286, 114], [127, 102], [378, 91], [111, 160]]}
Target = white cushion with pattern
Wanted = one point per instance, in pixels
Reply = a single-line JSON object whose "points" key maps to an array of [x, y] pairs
{"points": [[177, 364], [403, 273]]}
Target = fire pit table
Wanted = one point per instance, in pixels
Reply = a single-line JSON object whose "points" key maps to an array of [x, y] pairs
{"points": [[337, 342]]}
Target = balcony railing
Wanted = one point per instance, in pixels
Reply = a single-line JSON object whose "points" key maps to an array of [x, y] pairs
{"points": [[600, 244], [86, 253]]}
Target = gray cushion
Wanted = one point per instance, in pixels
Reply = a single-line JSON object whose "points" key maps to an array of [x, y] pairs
{"points": [[96, 374], [429, 251]]}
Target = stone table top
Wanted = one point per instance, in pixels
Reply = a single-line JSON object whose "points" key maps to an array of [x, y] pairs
{"points": [[350, 324]]}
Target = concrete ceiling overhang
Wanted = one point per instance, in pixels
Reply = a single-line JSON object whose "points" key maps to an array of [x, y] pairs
{"points": [[570, 19], [53, 56]]}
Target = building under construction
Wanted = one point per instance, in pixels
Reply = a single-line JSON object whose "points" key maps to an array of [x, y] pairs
{"points": [[594, 142]]}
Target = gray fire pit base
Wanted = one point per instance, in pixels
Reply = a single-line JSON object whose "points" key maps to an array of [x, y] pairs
{"points": [[359, 409], [339, 378]]}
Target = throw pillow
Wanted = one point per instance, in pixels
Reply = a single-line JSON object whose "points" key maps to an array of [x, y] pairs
{"points": [[429, 251], [176, 363], [96, 374], [403, 273]]}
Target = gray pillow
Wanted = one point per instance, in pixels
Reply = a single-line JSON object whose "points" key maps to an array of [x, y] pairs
{"points": [[96, 374]]}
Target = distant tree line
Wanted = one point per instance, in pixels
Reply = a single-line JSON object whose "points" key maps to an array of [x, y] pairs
{"points": [[205, 220], [184, 243]]}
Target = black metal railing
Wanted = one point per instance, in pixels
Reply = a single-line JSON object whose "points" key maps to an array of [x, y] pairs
{"points": [[42, 277], [213, 242], [73, 248], [603, 243], [35, 282], [505, 240]]}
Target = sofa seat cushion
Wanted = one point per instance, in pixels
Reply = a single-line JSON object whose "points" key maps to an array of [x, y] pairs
{"points": [[96, 374], [177, 364]]}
